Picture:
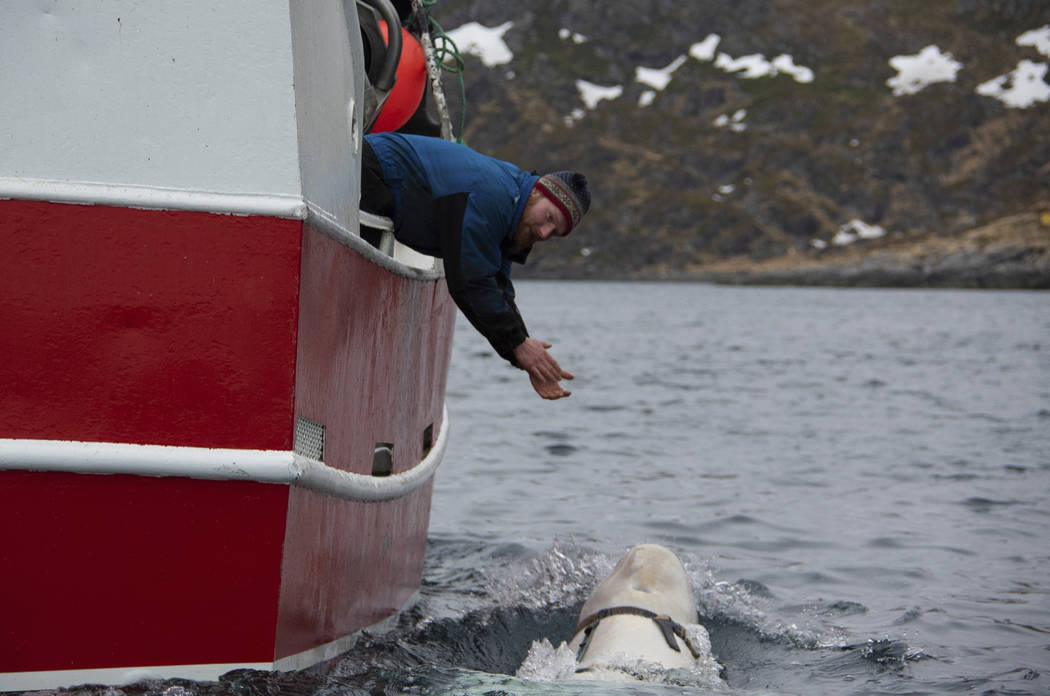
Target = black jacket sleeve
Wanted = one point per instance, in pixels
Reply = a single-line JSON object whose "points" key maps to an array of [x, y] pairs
{"points": [[478, 286]]}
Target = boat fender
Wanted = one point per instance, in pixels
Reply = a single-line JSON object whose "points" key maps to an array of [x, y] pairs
{"points": [[408, 89]]}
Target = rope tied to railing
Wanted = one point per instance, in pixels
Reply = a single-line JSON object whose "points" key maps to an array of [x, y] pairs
{"points": [[438, 51]]}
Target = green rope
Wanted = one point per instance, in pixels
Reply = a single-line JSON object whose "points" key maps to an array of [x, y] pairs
{"points": [[444, 49]]}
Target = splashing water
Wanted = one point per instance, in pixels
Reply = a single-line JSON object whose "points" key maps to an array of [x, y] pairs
{"points": [[546, 663], [560, 577], [564, 575]]}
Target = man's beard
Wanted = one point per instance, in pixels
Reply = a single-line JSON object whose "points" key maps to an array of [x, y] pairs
{"points": [[521, 245], [523, 236]]}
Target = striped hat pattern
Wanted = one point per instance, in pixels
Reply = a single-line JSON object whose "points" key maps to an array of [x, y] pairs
{"points": [[569, 192]]}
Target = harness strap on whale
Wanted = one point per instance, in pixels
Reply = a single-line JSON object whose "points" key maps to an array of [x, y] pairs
{"points": [[668, 626]]}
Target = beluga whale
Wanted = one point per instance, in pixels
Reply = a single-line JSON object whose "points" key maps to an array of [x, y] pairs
{"points": [[641, 623]]}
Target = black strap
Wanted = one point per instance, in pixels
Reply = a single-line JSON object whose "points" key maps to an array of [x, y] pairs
{"points": [[668, 626]]}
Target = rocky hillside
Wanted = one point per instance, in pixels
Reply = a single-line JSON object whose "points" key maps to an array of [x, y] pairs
{"points": [[813, 141]]}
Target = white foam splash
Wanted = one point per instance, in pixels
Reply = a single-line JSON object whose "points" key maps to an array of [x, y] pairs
{"points": [[564, 574], [545, 663], [721, 601]]}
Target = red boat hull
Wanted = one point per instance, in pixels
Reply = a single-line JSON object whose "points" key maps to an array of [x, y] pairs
{"points": [[201, 330]]}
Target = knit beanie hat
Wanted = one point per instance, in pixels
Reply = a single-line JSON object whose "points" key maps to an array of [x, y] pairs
{"points": [[569, 192]]}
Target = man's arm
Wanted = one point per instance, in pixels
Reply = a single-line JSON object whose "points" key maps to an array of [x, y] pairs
{"points": [[481, 288], [503, 329]]}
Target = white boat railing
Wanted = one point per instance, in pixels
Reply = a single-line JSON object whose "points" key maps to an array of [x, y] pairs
{"points": [[151, 197], [260, 466], [415, 266]]}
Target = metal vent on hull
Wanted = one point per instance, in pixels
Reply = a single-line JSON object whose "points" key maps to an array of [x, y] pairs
{"points": [[309, 439]]}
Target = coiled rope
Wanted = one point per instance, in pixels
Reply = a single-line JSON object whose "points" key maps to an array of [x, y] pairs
{"points": [[438, 51]]}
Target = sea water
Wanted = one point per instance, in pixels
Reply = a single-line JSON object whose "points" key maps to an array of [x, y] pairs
{"points": [[857, 481]]}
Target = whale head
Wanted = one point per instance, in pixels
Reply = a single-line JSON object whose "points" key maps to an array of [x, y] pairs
{"points": [[648, 576], [643, 613]]}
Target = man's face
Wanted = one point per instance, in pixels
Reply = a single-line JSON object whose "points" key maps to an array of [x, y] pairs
{"points": [[540, 221]]}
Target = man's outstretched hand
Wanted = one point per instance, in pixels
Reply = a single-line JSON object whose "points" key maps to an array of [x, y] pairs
{"points": [[544, 371]]}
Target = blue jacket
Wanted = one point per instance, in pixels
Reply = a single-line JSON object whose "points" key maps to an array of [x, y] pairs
{"points": [[463, 207]]}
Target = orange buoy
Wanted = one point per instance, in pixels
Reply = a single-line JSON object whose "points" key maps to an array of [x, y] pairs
{"points": [[408, 89]]}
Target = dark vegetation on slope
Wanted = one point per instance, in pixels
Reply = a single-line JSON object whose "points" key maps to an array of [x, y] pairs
{"points": [[957, 180]]}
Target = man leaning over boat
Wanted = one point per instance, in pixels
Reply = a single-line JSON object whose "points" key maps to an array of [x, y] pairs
{"points": [[478, 214]]}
